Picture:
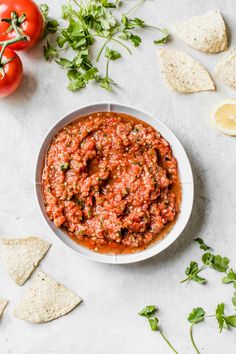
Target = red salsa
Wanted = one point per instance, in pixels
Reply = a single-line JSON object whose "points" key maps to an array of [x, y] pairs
{"points": [[111, 181]]}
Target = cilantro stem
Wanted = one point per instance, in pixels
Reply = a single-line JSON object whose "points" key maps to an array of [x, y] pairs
{"points": [[107, 67], [153, 27], [121, 43], [193, 275], [101, 50], [106, 42], [167, 341], [76, 2], [192, 340], [135, 7]]}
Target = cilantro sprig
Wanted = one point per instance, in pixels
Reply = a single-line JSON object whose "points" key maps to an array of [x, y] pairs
{"points": [[209, 260], [202, 244], [192, 273], [149, 312], [198, 315], [83, 23]]}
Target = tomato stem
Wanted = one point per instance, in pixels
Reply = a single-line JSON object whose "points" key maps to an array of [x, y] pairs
{"points": [[20, 36]]}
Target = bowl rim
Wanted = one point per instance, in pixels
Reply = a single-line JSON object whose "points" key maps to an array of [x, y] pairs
{"points": [[186, 179]]}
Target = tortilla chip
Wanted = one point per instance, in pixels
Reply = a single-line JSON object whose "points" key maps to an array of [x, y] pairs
{"points": [[206, 32], [3, 304], [183, 73], [226, 69], [46, 300], [21, 256]]}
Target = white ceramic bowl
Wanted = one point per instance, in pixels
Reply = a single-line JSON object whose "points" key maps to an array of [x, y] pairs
{"points": [[185, 172]]}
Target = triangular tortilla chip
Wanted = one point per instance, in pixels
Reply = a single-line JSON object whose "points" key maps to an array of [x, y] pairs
{"points": [[206, 32], [226, 69], [183, 73], [46, 300], [3, 304], [21, 256]]}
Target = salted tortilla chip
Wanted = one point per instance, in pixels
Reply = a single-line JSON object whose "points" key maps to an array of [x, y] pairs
{"points": [[21, 256], [3, 304], [183, 73], [46, 300], [206, 32], [225, 70]]}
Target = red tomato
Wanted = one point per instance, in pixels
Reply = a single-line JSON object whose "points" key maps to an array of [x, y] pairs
{"points": [[32, 26], [10, 80]]}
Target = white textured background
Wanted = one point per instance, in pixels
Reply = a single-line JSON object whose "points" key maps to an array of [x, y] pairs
{"points": [[107, 321]]}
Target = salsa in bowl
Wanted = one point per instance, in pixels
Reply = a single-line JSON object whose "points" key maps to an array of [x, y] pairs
{"points": [[109, 183]]}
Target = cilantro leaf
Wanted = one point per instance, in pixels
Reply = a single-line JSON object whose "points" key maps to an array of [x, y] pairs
{"points": [[84, 21], [76, 80], [44, 9], [129, 36], [224, 321], [105, 82], [164, 38], [234, 299], [112, 54], [50, 25], [192, 273], [218, 262], [64, 166], [49, 52], [197, 315], [230, 277], [65, 63], [153, 323], [148, 311], [108, 4], [61, 40], [231, 321], [221, 317], [130, 23], [202, 244], [90, 74]]}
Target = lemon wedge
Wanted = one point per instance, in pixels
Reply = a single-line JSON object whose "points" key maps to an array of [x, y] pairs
{"points": [[224, 117]]}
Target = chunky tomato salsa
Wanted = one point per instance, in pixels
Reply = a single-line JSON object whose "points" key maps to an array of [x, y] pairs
{"points": [[111, 181]]}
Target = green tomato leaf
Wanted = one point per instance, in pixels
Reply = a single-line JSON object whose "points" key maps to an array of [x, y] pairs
{"points": [[148, 311], [197, 315], [153, 323], [202, 244]]}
